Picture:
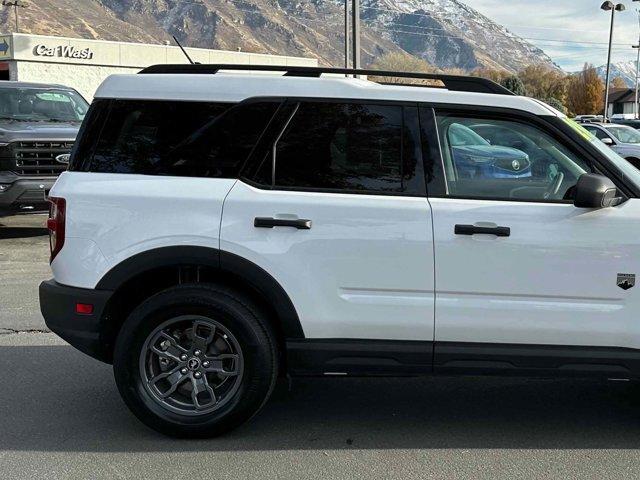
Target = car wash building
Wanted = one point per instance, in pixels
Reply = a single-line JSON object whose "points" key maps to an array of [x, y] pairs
{"points": [[84, 64]]}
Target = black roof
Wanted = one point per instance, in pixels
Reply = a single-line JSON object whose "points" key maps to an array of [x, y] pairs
{"points": [[458, 83], [622, 95]]}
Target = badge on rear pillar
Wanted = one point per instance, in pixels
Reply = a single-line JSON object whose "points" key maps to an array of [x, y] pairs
{"points": [[626, 280]]}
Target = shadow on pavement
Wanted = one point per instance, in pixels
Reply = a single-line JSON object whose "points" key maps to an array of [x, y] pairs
{"points": [[21, 232], [56, 399]]}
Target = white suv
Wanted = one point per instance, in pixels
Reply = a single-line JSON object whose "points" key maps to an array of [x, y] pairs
{"points": [[218, 228]]}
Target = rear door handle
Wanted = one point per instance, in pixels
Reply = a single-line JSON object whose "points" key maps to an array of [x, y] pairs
{"points": [[473, 230], [269, 222]]}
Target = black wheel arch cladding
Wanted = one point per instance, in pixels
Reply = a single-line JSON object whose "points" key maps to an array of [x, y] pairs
{"points": [[224, 262]]}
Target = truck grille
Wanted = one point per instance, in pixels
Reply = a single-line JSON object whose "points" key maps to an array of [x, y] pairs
{"points": [[39, 158]]}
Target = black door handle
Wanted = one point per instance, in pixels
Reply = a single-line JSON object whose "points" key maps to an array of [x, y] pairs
{"points": [[268, 222], [472, 230]]}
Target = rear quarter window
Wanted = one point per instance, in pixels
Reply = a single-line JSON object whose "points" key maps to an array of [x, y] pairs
{"points": [[198, 139]]}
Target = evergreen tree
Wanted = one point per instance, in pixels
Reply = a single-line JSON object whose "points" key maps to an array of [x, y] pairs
{"points": [[514, 84]]}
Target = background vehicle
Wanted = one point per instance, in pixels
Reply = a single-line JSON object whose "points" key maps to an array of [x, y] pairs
{"points": [[621, 116], [476, 157], [38, 125], [633, 123], [588, 118], [508, 136], [216, 230], [624, 140]]}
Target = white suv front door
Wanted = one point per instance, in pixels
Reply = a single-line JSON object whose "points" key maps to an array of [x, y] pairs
{"points": [[515, 262], [340, 219]]}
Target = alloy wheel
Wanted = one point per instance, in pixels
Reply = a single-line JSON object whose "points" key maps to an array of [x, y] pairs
{"points": [[191, 365]]}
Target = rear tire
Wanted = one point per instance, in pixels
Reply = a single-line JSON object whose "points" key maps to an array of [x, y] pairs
{"points": [[195, 361]]}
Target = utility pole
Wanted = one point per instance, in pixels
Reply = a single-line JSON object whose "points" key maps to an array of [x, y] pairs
{"points": [[346, 34], [637, 47], [355, 6], [609, 6], [15, 4]]}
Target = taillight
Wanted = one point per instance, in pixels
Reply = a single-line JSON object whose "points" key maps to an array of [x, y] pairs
{"points": [[55, 225], [84, 308]]}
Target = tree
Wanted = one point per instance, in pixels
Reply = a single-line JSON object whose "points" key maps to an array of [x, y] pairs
{"points": [[542, 82], [557, 104], [618, 82], [491, 73], [585, 92], [402, 62], [514, 84]]}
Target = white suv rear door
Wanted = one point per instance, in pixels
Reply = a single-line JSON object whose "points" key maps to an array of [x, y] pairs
{"points": [[336, 212]]}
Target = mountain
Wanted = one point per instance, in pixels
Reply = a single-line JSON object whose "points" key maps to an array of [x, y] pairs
{"points": [[624, 70], [446, 33]]}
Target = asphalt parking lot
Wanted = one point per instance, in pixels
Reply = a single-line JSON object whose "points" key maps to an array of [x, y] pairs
{"points": [[61, 416]]}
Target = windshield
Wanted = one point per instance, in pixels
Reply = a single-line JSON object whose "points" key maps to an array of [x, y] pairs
{"points": [[460, 136], [41, 105], [624, 134]]}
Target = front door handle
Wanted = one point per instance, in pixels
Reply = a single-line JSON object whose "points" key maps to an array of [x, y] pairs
{"points": [[473, 230], [269, 222]]}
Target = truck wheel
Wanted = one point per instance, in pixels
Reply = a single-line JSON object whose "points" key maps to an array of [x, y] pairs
{"points": [[195, 361]]}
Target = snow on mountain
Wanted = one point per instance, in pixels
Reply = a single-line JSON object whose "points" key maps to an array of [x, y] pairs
{"points": [[624, 70], [448, 33]]}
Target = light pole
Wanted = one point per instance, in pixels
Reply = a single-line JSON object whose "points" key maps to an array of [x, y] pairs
{"points": [[346, 34], [15, 4], [609, 5], [637, 47], [356, 33], [635, 105]]}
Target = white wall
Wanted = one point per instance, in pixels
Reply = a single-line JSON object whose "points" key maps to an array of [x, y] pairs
{"points": [[627, 108], [84, 78], [30, 62]]}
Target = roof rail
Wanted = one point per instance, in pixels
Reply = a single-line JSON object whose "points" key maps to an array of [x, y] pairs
{"points": [[458, 83]]}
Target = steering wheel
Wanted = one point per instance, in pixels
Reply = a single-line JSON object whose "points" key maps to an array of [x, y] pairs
{"points": [[554, 188]]}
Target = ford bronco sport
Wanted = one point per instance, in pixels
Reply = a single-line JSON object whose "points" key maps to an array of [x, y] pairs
{"points": [[38, 125], [219, 227]]}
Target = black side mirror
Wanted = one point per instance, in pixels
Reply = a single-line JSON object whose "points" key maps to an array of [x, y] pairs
{"points": [[595, 191]]}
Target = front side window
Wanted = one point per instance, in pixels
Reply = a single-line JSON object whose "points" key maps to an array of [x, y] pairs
{"points": [[598, 132], [350, 147], [198, 139], [506, 159]]}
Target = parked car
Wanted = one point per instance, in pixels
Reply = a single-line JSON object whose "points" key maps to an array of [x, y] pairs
{"points": [[216, 231], [507, 136], [473, 156], [588, 118], [633, 123], [38, 125], [621, 116], [624, 140]]}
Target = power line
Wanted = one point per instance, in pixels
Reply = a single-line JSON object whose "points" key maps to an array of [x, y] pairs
{"points": [[432, 35], [420, 27]]}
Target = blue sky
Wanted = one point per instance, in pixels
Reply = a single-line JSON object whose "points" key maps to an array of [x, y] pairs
{"points": [[569, 31]]}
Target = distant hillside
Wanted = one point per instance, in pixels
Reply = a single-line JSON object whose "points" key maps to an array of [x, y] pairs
{"points": [[446, 33], [624, 70]]}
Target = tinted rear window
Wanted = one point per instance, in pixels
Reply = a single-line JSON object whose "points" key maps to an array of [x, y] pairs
{"points": [[199, 139], [353, 147]]}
